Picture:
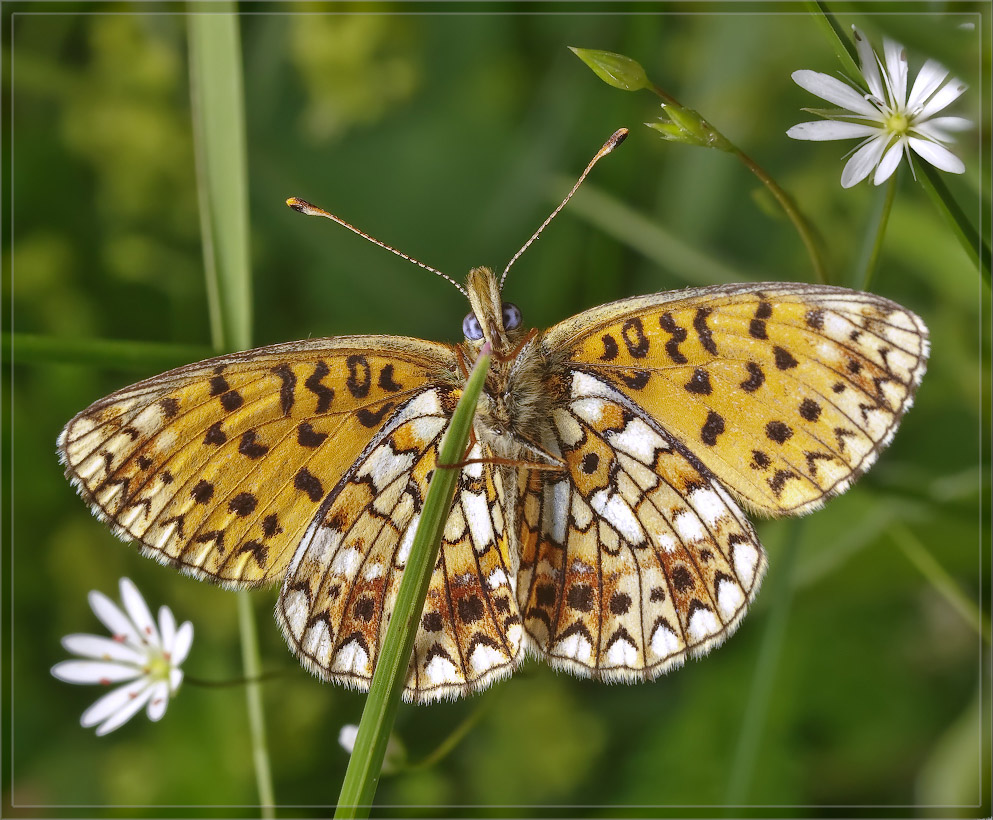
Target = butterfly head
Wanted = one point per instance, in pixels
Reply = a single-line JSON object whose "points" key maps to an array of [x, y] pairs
{"points": [[491, 318]]}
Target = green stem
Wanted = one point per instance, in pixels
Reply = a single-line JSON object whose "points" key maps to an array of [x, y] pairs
{"points": [[882, 219], [262, 677], [29, 348], [362, 775], [760, 694], [808, 234], [843, 47], [251, 664], [919, 555], [454, 739], [217, 107], [970, 240]]}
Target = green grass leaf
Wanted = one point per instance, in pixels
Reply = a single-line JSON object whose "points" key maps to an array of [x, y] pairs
{"points": [[362, 776]]}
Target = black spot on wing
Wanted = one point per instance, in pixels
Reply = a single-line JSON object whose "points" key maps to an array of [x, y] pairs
{"points": [[325, 394], [704, 333], [386, 381], [288, 384], [712, 428]]}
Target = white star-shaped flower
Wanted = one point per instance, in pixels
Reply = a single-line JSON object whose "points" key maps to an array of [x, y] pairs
{"points": [[891, 122], [145, 655]]}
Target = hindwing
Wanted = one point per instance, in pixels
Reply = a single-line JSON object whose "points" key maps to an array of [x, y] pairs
{"points": [[341, 588], [635, 557]]}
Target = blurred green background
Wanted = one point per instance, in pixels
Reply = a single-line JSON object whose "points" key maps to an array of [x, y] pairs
{"points": [[450, 132]]}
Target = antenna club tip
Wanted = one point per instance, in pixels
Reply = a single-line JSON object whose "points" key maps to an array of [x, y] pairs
{"points": [[300, 205], [617, 138]]}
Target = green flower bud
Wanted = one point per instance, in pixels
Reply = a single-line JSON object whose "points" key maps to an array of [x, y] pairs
{"points": [[614, 69]]}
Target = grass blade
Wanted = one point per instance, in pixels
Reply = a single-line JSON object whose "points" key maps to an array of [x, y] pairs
{"points": [[362, 776], [217, 103]]}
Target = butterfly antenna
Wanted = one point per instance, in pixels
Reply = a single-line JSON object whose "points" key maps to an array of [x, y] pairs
{"points": [[615, 139], [305, 207]]}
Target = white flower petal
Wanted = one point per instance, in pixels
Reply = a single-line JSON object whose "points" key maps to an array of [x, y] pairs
{"points": [[821, 130], [112, 702], [175, 679], [834, 91], [94, 672], [867, 59], [182, 644], [896, 72], [939, 156], [112, 617], [928, 80], [101, 648], [930, 131], [887, 165], [944, 97], [863, 161], [158, 700], [947, 124], [125, 713], [138, 610], [347, 735], [167, 629]]}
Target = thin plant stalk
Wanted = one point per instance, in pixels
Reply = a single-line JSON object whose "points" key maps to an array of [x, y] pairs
{"points": [[217, 105], [844, 48], [756, 708], [365, 764], [457, 735], [34, 348], [808, 234], [974, 245], [882, 218], [918, 554], [687, 126]]}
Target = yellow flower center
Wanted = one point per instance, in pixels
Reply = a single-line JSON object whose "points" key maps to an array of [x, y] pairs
{"points": [[157, 668], [897, 123]]}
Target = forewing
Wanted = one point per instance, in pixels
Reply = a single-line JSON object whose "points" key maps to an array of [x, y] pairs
{"points": [[219, 467], [786, 392], [635, 557], [342, 586]]}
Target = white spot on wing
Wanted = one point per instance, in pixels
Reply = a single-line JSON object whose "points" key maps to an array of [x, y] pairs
{"points": [[441, 670], [665, 642], [408, 539], [352, 659], [485, 657], [708, 505], [688, 526], [477, 514], [618, 514], [622, 653], [383, 465], [746, 558], [556, 517], [638, 440], [576, 647], [346, 562], [729, 598], [666, 541], [703, 623]]}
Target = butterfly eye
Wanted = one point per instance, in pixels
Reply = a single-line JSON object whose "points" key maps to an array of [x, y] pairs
{"points": [[511, 316], [471, 328]]}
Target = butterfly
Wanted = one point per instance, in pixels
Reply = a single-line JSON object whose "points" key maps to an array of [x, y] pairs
{"points": [[598, 519]]}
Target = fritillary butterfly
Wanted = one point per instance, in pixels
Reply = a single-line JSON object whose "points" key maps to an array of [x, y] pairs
{"points": [[598, 518]]}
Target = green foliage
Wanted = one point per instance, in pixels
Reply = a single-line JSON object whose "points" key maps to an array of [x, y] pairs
{"points": [[448, 136]]}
